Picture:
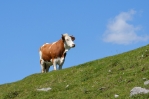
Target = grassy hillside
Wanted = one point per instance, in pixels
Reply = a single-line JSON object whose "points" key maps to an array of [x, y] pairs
{"points": [[99, 79]]}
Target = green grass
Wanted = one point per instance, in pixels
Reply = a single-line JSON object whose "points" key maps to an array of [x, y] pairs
{"points": [[99, 79]]}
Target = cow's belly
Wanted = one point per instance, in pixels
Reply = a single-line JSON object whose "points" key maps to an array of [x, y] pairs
{"points": [[59, 61]]}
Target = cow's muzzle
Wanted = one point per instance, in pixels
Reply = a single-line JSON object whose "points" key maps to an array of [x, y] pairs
{"points": [[73, 45]]}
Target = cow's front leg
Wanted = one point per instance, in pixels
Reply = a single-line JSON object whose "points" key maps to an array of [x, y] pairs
{"points": [[54, 64], [62, 60], [60, 67]]}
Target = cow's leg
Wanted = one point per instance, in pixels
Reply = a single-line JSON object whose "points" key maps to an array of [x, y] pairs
{"points": [[60, 67], [43, 66], [62, 60], [54, 64], [47, 68]]}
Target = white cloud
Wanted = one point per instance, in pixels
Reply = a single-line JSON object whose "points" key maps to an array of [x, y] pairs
{"points": [[119, 31]]}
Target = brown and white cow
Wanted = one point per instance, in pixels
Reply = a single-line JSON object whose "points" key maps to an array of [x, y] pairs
{"points": [[55, 53]]}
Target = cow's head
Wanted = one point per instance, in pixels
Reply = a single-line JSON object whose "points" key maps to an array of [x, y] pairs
{"points": [[68, 40]]}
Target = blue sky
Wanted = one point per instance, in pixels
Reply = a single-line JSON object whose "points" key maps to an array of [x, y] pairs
{"points": [[101, 27]]}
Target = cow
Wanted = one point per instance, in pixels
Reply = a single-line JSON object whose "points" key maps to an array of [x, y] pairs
{"points": [[55, 53]]}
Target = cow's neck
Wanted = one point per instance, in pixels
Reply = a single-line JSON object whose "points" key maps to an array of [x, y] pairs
{"points": [[67, 48], [64, 48]]}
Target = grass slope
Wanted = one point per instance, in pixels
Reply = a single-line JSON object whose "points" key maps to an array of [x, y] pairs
{"points": [[99, 79]]}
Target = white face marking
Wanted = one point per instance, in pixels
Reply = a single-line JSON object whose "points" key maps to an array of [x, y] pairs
{"points": [[68, 42]]}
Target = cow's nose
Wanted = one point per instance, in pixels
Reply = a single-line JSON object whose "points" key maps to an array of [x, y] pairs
{"points": [[73, 45]]}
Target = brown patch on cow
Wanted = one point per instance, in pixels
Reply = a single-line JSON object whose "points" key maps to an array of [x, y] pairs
{"points": [[56, 50]]}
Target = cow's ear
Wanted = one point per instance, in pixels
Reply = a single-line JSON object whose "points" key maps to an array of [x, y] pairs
{"points": [[73, 38], [63, 37]]}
